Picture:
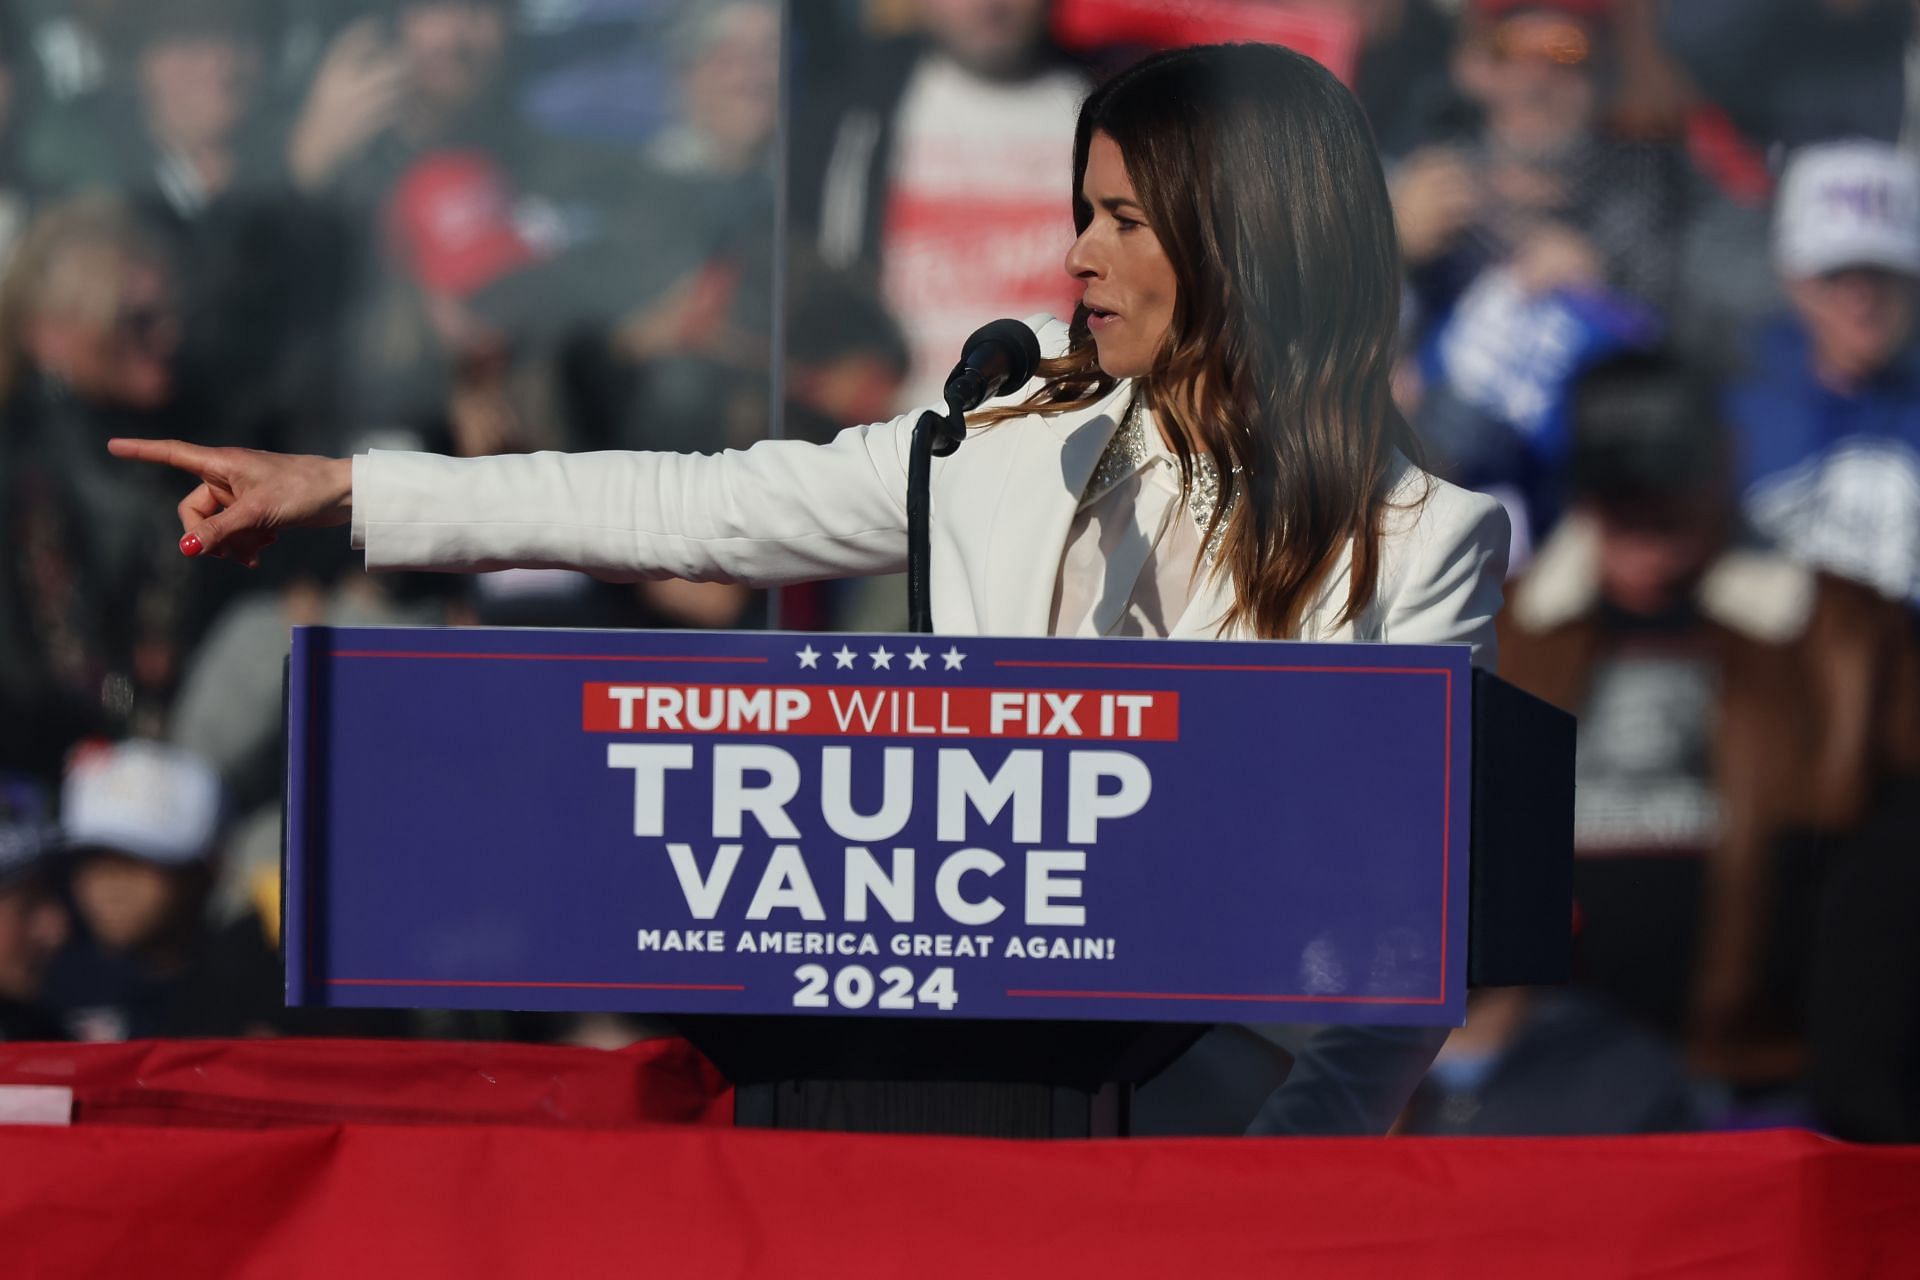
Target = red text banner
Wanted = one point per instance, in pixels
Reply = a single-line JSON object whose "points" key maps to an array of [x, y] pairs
{"points": [[1092, 715]]}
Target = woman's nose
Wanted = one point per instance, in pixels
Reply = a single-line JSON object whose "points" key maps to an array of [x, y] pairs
{"points": [[1081, 260]]}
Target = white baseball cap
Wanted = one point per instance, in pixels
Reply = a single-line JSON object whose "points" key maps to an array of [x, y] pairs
{"points": [[1848, 204], [146, 799]]}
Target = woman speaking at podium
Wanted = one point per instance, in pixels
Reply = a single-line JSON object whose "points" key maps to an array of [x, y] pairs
{"points": [[1209, 449]]}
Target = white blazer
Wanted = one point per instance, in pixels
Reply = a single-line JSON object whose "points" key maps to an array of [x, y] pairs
{"points": [[789, 511]]}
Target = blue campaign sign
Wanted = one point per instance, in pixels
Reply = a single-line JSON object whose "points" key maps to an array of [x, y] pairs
{"points": [[886, 825]]}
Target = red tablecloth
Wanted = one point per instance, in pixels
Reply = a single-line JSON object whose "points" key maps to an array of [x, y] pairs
{"points": [[259, 1084], [551, 1196]]}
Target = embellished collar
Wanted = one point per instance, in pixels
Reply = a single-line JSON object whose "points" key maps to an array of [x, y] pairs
{"points": [[1135, 443]]}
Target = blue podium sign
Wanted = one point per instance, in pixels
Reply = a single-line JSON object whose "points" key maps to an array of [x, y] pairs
{"points": [[883, 825]]}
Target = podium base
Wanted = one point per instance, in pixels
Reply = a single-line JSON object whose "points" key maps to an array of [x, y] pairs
{"points": [[962, 1077]]}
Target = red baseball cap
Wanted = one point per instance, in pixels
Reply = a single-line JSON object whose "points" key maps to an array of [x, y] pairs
{"points": [[451, 219]]}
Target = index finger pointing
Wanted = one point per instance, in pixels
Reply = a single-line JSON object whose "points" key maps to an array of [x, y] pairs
{"points": [[172, 453]]}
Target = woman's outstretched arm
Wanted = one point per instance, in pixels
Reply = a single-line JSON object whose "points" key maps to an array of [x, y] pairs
{"points": [[780, 511]]}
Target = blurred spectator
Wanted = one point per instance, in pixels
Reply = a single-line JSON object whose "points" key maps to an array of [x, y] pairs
{"points": [[177, 125], [415, 75], [1541, 185], [1792, 72], [95, 605], [186, 139], [140, 822], [659, 311], [33, 925], [452, 233], [709, 180], [1537, 244], [183, 131], [1537, 1062], [682, 274], [357, 95], [937, 165], [229, 716], [846, 355], [1829, 409], [727, 56], [1402, 76], [408, 131], [846, 359], [846, 362], [940, 164], [228, 711], [1732, 703]]}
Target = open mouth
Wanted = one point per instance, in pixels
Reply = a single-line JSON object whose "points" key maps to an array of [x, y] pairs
{"points": [[1099, 319]]}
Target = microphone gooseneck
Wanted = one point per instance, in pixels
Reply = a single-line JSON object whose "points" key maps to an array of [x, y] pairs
{"points": [[998, 358]]}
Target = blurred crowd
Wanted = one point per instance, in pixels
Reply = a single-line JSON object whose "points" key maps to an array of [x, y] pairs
{"points": [[1662, 267]]}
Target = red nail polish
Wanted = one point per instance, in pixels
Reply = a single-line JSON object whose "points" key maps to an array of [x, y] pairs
{"points": [[190, 545]]}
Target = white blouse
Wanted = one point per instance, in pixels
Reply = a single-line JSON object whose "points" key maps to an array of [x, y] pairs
{"points": [[1132, 560]]}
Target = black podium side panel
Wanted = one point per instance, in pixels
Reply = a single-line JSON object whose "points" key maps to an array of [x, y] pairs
{"points": [[909, 1075], [750, 1049], [1520, 921]]}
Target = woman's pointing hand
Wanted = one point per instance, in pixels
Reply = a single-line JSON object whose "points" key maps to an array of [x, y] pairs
{"points": [[246, 496]]}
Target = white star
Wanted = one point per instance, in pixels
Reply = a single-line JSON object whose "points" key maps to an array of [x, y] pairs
{"points": [[842, 657], [809, 657], [881, 658], [953, 658], [917, 659]]}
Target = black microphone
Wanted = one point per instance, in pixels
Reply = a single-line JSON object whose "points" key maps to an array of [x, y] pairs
{"points": [[999, 357]]}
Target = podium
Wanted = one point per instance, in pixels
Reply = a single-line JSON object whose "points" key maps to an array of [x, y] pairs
{"points": [[913, 883]]}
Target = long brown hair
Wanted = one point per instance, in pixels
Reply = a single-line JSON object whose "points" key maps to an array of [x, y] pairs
{"points": [[1258, 174]]}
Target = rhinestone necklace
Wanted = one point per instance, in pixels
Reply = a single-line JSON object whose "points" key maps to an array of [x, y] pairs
{"points": [[1129, 450]]}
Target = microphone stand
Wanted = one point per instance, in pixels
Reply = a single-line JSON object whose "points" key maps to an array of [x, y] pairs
{"points": [[1000, 353], [934, 435]]}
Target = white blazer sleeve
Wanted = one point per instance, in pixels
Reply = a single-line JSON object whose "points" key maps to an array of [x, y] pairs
{"points": [[1447, 587], [781, 511]]}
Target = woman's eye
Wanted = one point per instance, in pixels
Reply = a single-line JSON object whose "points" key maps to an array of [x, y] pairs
{"points": [[1127, 224]]}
